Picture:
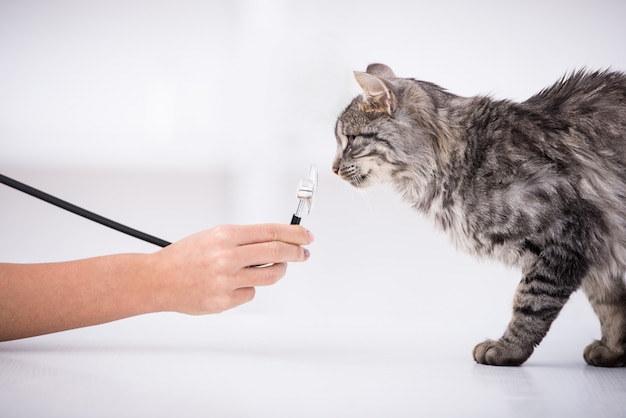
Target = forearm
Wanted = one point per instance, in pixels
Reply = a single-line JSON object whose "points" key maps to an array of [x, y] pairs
{"points": [[37, 299], [204, 273]]}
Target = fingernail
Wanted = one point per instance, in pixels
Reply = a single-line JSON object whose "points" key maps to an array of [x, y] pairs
{"points": [[310, 236], [307, 253]]}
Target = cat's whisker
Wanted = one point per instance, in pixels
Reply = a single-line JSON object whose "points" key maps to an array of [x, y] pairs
{"points": [[356, 190], [364, 202], [368, 202], [362, 191]]}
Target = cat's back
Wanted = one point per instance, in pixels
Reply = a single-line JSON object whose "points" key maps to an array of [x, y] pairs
{"points": [[587, 109], [585, 96], [583, 87]]}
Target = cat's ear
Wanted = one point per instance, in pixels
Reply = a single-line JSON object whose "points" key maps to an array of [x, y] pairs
{"points": [[380, 70], [376, 93]]}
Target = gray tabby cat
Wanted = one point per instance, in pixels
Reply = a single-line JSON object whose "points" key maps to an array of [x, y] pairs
{"points": [[539, 185]]}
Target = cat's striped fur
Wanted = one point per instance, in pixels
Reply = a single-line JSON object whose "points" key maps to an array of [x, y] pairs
{"points": [[539, 185]]}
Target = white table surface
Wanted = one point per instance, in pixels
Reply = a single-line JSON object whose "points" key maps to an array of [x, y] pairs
{"points": [[380, 322]]}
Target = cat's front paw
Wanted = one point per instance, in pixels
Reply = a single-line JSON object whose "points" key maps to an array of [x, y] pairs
{"points": [[497, 353], [598, 354]]}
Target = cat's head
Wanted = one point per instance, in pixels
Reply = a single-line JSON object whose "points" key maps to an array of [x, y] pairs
{"points": [[385, 132]]}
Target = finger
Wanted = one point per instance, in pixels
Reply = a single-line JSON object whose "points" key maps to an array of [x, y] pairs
{"points": [[260, 276], [251, 234], [242, 295], [269, 253]]}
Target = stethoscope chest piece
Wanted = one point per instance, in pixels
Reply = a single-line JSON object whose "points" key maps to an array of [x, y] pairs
{"points": [[306, 192]]}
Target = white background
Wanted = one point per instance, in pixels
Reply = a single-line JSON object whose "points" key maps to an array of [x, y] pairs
{"points": [[175, 116]]}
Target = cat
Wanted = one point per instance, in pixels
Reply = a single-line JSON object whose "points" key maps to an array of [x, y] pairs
{"points": [[539, 185]]}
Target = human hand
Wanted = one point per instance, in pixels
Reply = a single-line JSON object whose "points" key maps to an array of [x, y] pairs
{"points": [[211, 271]]}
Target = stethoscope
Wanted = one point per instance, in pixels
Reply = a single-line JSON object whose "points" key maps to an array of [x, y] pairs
{"points": [[307, 189], [306, 192]]}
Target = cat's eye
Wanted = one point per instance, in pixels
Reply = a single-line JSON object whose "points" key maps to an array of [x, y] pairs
{"points": [[350, 137]]}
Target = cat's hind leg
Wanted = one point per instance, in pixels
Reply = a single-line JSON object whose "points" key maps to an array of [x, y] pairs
{"points": [[609, 302]]}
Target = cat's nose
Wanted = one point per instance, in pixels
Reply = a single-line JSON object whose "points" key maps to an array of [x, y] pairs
{"points": [[336, 170]]}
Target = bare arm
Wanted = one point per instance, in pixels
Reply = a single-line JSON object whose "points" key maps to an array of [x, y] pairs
{"points": [[205, 273]]}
